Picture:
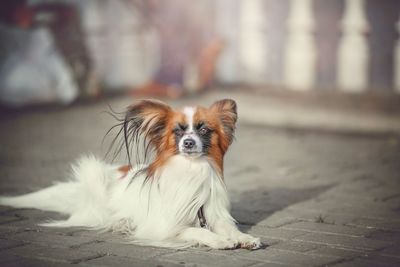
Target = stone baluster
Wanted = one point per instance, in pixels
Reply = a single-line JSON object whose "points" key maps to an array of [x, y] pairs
{"points": [[397, 61], [300, 50], [253, 50], [353, 51], [227, 29], [94, 24]]}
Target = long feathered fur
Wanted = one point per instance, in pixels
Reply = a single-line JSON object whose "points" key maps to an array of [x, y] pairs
{"points": [[156, 202], [151, 213]]}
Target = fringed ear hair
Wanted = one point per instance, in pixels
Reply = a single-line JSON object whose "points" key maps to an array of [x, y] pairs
{"points": [[144, 123], [227, 113], [145, 119]]}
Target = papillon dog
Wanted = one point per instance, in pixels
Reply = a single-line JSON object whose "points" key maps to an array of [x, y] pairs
{"points": [[176, 199]]}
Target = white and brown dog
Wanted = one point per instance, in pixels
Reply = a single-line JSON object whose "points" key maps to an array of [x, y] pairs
{"points": [[178, 199]]}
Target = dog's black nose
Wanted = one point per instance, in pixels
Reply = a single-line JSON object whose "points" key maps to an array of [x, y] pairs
{"points": [[189, 143]]}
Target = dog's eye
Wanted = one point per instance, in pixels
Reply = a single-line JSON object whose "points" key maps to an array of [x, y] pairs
{"points": [[179, 132], [182, 126], [204, 131], [199, 125]]}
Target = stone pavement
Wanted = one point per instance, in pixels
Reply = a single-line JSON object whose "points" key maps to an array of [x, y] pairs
{"points": [[315, 199]]}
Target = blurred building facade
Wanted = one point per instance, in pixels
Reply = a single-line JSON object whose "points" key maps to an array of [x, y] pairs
{"points": [[348, 45], [344, 45]]}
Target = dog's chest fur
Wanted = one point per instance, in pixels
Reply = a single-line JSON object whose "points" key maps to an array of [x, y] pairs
{"points": [[168, 201]]}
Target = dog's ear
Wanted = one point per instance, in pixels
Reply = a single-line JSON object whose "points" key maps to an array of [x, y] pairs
{"points": [[148, 111], [226, 110], [147, 119], [147, 116]]}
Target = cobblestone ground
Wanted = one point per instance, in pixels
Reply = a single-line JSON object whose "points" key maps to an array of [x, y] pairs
{"points": [[315, 199]]}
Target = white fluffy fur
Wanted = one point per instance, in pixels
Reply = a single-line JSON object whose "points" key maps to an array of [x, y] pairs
{"points": [[160, 212]]}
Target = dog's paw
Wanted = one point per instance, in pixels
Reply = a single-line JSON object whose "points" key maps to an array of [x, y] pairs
{"points": [[224, 243], [249, 242]]}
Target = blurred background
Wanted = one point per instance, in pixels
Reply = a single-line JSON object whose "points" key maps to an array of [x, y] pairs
{"points": [[317, 85], [61, 50]]}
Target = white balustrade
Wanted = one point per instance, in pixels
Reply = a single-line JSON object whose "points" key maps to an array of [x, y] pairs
{"points": [[253, 50], [300, 50], [353, 51], [397, 61], [226, 25]]}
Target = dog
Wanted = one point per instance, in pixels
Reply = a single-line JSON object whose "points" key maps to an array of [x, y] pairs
{"points": [[177, 198]]}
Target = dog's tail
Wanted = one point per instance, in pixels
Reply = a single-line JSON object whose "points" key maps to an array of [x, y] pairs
{"points": [[54, 198], [83, 197]]}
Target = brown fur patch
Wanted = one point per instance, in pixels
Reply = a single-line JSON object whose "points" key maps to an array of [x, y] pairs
{"points": [[125, 169], [217, 149], [220, 117]]}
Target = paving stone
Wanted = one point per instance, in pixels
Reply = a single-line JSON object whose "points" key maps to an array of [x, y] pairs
{"points": [[334, 195], [270, 264], [7, 244], [126, 250], [364, 263], [384, 192], [276, 233], [33, 214], [393, 250], [52, 254], [378, 257], [129, 262], [328, 228], [393, 203], [278, 219], [6, 231], [374, 209], [338, 252], [343, 241], [5, 209], [205, 258], [8, 219], [205, 250], [387, 224], [291, 258], [107, 236], [294, 246], [244, 217], [12, 260], [294, 214], [32, 226], [54, 240], [371, 211], [386, 235]]}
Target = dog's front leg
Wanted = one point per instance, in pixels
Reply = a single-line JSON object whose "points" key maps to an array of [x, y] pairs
{"points": [[206, 237], [229, 229]]}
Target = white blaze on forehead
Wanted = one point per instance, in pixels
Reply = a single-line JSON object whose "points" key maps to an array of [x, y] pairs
{"points": [[189, 114]]}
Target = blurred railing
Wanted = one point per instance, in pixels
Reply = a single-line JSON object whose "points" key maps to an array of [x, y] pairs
{"points": [[349, 45], [76, 47]]}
